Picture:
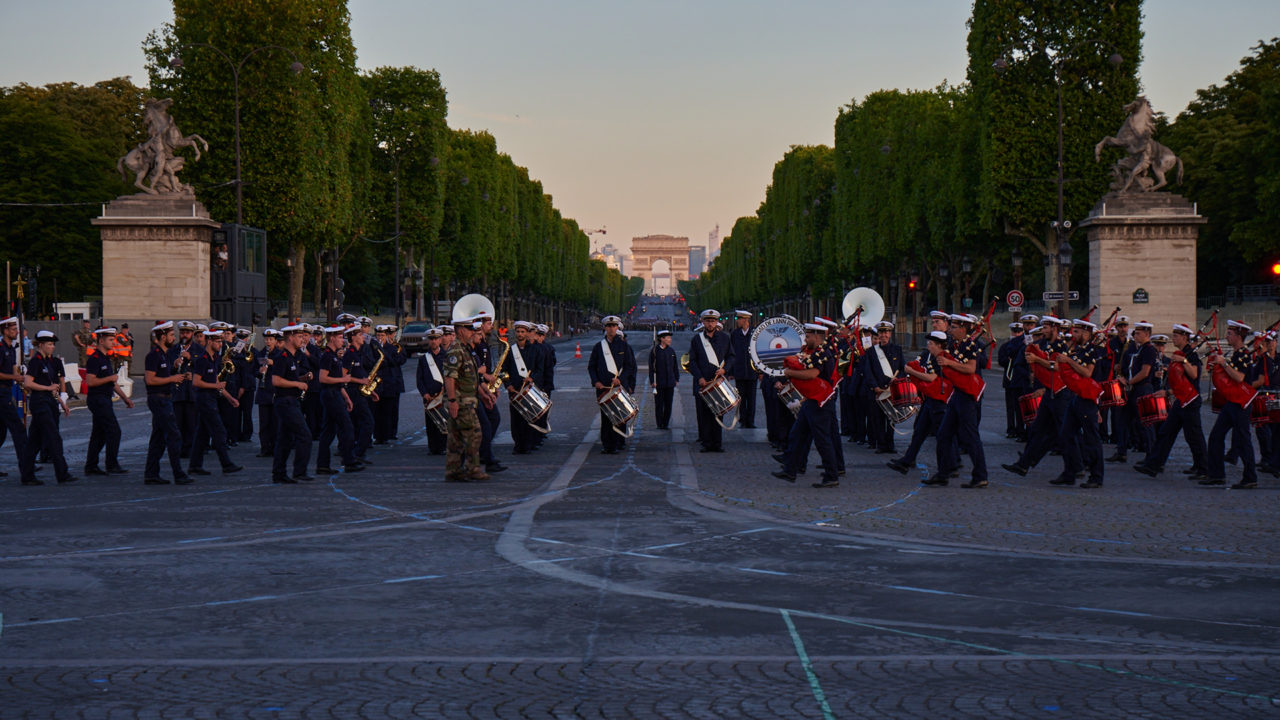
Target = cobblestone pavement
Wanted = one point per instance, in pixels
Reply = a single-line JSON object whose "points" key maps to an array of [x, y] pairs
{"points": [[657, 583]]}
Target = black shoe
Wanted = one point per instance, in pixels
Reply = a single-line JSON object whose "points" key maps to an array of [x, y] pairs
{"points": [[198, 471], [885, 451], [494, 467], [1091, 484], [936, 480], [1063, 481], [346, 468], [706, 450], [1015, 468], [265, 454], [1230, 459], [1190, 471], [326, 470], [232, 469], [303, 478], [284, 480], [3, 474], [33, 481], [231, 443], [117, 471], [95, 470], [1198, 475], [184, 480], [519, 451], [1148, 471], [155, 481], [897, 464], [1213, 481], [827, 484], [783, 475], [608, 451], [1245, 485], [1117, 458], [780, 457], [974, 484], [73, 478], [362, 461]]}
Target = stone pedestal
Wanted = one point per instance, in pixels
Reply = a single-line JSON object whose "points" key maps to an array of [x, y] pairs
{"points": [[1144, 241], [155, 260]]}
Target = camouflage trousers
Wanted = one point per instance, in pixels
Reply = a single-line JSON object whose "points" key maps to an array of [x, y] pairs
{"points": [[464, 442]]}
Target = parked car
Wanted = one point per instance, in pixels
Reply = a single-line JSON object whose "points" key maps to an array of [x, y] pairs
{"points": [[414, 337]]}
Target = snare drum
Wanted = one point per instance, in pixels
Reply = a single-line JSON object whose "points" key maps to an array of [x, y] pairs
{"points": [[1273, 406], [532, 404], [1259, 413], [1029, 407], [1152, 410], [438, 414], [903, 392], [1217, 400], [620, 408], [720, 396], [791, 397], [1112, 394]]}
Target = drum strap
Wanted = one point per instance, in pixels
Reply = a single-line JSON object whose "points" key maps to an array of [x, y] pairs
{"points": [[710, 352], [885, 367], [609, 362], [518, 359], [431, 366]]}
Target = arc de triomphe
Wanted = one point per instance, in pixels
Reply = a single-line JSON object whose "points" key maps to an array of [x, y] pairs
{"points": [[660, 250]]}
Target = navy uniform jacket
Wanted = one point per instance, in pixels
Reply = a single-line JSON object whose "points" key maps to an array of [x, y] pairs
{"points": [[8, 358], [266, 392], [290, 366], [623, 357], [157, 361], [874, 374], [1009, 355], [1144, 354], [354, 362], [98, 364], [183, 391], [740, 342], [247, 369], [392, 369], [548, 366], [533, 360], [45, 371], [1267, 368], [428, 385], [207, 368], [308, 361], [700, 366], [663, 367]]}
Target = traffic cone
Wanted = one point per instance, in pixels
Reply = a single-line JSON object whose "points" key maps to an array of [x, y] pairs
{"points": [[577, 352]]}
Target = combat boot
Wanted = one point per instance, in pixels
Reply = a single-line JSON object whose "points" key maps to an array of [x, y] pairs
{"points": [[477, 474]]}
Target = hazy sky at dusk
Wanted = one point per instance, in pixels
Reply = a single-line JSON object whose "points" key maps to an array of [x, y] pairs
{"points": [[656, 116]]}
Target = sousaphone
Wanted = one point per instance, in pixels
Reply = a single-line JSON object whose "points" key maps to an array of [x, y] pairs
{"points": [[472, 305], [866, 300]]}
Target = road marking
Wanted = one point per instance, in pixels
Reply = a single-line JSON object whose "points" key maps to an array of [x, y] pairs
{"points": [[814, 685]]}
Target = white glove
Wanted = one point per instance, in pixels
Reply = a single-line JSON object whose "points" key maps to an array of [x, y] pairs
{"points": [[63, 397]]}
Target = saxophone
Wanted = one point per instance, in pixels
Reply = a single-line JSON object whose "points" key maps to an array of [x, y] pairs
{"points": [[228, 366], [499, 376], [371, 387]]}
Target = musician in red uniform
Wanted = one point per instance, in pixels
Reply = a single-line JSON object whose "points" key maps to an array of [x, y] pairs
{"points": [[817, 412], [1234, 417], [1184, 410], [935, 391], [1266, 376], [1136, 373], [960, 421], [1081, 444]]}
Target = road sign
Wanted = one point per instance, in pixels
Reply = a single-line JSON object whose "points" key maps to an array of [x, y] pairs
{"points": [[1014, 298], [1140, 296], [1059, 295]]}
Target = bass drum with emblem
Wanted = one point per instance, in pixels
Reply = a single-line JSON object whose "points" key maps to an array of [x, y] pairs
{"points": [[772, 342]]}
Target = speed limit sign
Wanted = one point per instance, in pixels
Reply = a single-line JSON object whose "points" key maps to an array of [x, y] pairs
{"points": [[1014, 299]]}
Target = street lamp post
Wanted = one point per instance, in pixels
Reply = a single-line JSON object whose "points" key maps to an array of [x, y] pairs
{"points": [[296, 67]]}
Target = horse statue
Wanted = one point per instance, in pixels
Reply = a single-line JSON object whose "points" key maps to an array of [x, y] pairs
{"points": [[1144, 153], [154, 159]]}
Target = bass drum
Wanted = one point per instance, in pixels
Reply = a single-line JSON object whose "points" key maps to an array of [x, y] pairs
{"points": [[772, 342]]}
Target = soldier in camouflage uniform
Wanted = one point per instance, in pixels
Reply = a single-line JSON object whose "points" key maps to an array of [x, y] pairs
{"points": [[461, 380]]}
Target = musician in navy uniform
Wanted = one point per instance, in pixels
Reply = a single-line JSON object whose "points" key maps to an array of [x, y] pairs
{"points": [[356, 362], [814, 422], [430, 379], [209, 388], [664, 376], [548, 382], [960, 421], [709, 354], [386, 411], [1234, 417], [1136, 373], [1079, 436], [487, 411], [264, 397], [1010, 350], [337, 405], [181, 357], [291, 377], [880, 366], [100, 378], [309, 353], [523, 366], [929, 417], [743, 376], [609, 371], [161, 381], [9, 374], [1183, 416], [45, 398]]}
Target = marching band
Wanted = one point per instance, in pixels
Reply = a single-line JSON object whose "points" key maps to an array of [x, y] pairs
{"points": [[1070, 386]]}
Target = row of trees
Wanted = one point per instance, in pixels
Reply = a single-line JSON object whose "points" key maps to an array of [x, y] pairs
{"points": [[943, 187], [334, 163]]}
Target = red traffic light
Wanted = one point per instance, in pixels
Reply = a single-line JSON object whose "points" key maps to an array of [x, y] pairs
{"points": [[1275, 269], [911, 284]]}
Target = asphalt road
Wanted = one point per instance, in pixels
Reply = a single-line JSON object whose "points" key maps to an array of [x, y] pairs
{"points": [[657, 583]]}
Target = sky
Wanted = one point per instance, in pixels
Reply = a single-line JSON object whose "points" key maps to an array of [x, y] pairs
{"points": [[653, 116]]}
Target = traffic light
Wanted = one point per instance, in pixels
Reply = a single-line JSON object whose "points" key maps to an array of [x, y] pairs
{"points": [[1275, 270], [913, 282], [257, 319]]}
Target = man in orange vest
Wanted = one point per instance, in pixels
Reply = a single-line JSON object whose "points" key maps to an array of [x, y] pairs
{"points": [[124, 346]]}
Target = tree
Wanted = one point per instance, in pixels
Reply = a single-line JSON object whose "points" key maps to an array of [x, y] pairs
{"points": [[1022, 53], [1229, 139], [304, 152]]}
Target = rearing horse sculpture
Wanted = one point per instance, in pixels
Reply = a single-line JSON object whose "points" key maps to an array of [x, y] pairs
{"points": [[1145, 154], [155, 159]]}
